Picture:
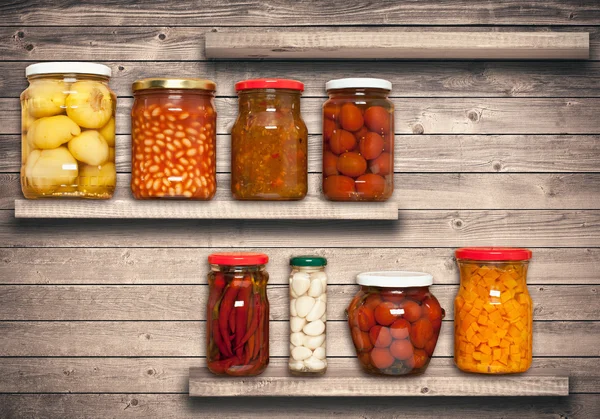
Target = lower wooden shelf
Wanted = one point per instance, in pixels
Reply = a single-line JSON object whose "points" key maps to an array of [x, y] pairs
{"points": [[341, 382]]}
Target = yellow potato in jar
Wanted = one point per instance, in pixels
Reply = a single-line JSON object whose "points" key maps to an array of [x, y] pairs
{"points": [[108, 132], [26, 120], [52, 132], [89, 104], [89, 147], [111, 154], [97, 179], [48, 170], [46, 97]]}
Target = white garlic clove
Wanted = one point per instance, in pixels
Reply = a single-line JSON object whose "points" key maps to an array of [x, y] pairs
{"points": [[318, 275], [313, 342], [304, 305], [297, 339], [316, 288], [293, 311], [297, 323], [317, 311], [314, 364], [319, 352], [324, 317], [296, 365], [314, 328], [323, 297], [300, 353], [300, 283]]}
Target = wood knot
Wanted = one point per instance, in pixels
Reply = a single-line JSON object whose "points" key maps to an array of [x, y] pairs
{"points": [[150, 371], [162, 36], [21, 34], [457, 224], [121, 68], [497, 166], [418, 129], [134, 402], [425, 390], [29, 47], [473, 115]]}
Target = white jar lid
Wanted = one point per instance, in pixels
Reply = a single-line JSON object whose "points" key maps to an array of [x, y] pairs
{"points": [[358, 83], [394, 279], [66, 67]]}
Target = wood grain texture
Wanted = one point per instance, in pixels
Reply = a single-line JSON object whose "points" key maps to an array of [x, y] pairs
{"points": [[418, 115], [444, 381], [415, 228], [166, 266], [185, 302], [186, 339], [314, 45], [171, 375], [414, 153], [281, 13]]}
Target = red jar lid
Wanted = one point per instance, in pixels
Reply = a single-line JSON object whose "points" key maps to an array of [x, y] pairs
{"points": [[238, 258], [269, 84], [493, 253]]}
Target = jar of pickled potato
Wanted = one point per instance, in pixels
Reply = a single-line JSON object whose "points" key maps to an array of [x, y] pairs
{"points": [[493, 312], [173, 126], [308, 315], [358, 140], [269, 142], [68, 131]]}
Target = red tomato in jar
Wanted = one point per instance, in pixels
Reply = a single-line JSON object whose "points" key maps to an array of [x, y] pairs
{"points": [[401, 349], [430, 345], [342, 141], [330, 164], [370, 185], [331, 111], [382, 165], [371, 145], [365, 358], [362, 340], [412, 310], [395, 297], [360, 134], [388, 142], [351, 117], [352, 164], [420, 357], [417, 293], [338, 187], [372, 301], [409, 363], [400, 329], [420, 332], [384, 313], [380, 336], [329, 127], [433, 312], [365, 318], [377, 119], [381, 358]]}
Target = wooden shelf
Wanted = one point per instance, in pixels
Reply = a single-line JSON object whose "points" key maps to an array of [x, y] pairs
{"points": [[398, 45], [310, 208], [341, 382]]}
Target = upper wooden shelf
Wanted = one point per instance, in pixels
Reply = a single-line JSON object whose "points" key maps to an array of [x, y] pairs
{"points": [[310, 208], [340, 382], [398, 45]]}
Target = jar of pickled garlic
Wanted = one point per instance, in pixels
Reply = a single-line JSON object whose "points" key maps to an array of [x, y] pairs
{"points": [[173, 126], [269, 142], [493, 312], [68, 131], [394, 322], [308, 315], [237, 331], [358, 140]]}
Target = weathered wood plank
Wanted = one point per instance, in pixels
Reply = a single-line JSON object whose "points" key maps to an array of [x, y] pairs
{"points": [[167, 43], [166, 338], [417, 115], [189, 266], [278, 13], [415, 153], [171, 375], [187, 302], [416, 228], [317, 45], [411, 79]]}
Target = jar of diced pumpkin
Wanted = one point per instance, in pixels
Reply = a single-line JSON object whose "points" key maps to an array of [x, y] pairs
{"points": [[493, 312]]}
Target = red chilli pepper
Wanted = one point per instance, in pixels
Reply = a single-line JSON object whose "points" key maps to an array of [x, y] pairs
{"points": [[260, 338], [231, 322], [225, 309], [254, 324], [218, 339], [220, 367], [241, 314]]}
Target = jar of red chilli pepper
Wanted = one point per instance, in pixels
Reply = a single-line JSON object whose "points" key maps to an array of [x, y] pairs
{"points": [[173, 125], [237, 332]]}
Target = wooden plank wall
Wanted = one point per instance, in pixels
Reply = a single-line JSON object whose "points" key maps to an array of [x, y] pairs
{"points": [[104, 318]]}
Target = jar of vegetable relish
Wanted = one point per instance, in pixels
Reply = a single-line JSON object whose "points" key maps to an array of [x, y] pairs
{"points": [[173, 125], [358, 140], [237, 331], [493, 312], [269, 142]]}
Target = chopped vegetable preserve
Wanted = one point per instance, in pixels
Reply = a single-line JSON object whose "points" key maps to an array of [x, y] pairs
{"points": [[269, 142]]}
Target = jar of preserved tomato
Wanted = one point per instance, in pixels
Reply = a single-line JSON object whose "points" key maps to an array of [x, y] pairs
{"points": [[173, 125], [493, 312], [358, 140], [308, 315], [395, 322], [269, 142], [68, 132], [237, 331]]}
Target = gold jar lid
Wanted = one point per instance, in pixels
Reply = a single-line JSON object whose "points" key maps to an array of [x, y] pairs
{"points": [[163, 83]]}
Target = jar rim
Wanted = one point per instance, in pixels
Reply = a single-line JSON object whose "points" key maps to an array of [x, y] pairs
{"points": [[493, 253], [68, 67], [167, 83], [238, 258], [358, 83], [394, 279]]}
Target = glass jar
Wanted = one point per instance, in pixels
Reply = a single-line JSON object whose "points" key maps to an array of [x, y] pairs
{"points": [[269, 142], [358, 140], [395, 322], [68, 132], [237, 320], [173, 126], [493, 312], [308, 315]]}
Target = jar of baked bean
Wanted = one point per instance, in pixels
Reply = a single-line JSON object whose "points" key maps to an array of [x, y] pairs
{"points": [[173, 126]]}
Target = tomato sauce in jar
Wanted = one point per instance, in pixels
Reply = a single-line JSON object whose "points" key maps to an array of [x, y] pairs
{"points": [[173, 126]]}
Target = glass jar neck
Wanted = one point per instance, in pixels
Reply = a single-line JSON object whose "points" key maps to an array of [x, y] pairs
{"points": [[354, 92], [70, 78], [269, 100], [366, 288], [308, 268], [169, 92], [237, 268]]}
